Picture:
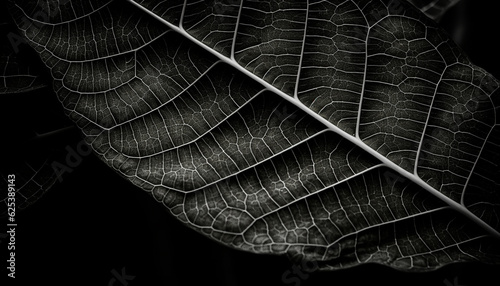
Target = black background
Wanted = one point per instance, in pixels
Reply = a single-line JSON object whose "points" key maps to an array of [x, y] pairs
{"points": [[94, 223]]}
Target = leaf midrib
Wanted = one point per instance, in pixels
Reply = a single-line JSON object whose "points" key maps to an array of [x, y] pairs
{"points": [[295, 101]]}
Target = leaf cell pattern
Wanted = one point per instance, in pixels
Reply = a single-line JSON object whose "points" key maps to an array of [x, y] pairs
{"points": [[343, 132], [16, 76]]}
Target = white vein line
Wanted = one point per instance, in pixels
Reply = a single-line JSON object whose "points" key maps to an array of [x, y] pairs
{"points": [[462, 198], [94, 11], [410, 176], [386, 223], [296, 90], [310, 194], [424, 130], [199, 137], [250, 166], [235, 35], [358, 119]]}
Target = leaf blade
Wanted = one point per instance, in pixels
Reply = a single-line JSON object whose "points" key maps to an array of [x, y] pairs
{"points": [[224, 217]]}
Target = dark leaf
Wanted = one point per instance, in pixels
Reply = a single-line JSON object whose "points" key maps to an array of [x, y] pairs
{"points": [[18, 74], [340, 132], [31, 120], [434, 9]]}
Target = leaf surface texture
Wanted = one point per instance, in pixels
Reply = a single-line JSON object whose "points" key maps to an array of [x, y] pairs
{"points": [[343, 132]]}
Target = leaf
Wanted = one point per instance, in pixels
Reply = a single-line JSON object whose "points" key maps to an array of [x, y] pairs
{"points": [[24, 92], [33, 136], [434, 9], [339, 132], [16, 76], [35, 143]]}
